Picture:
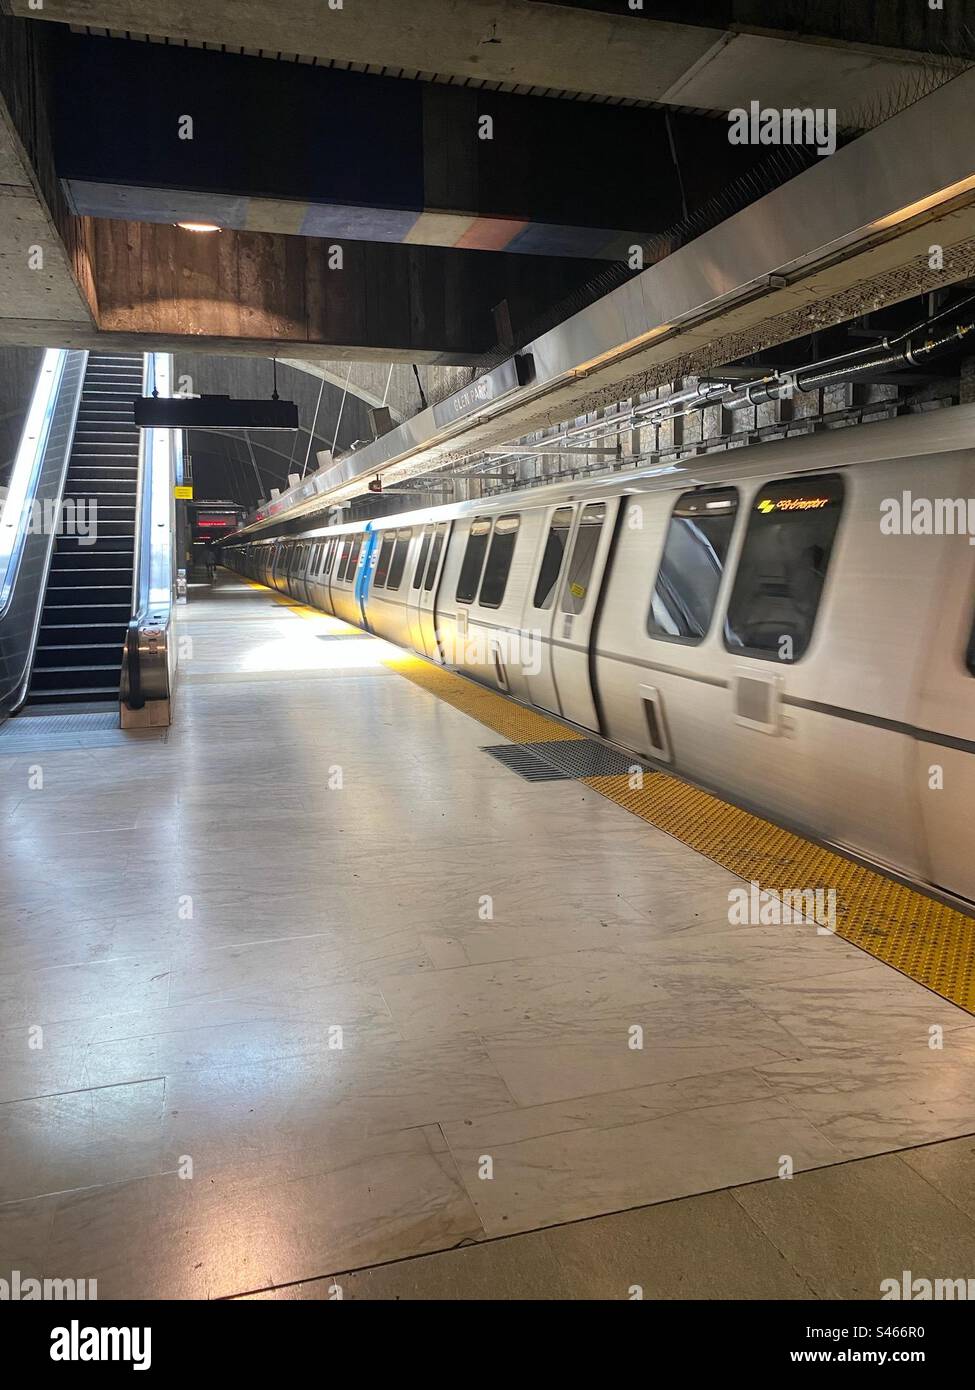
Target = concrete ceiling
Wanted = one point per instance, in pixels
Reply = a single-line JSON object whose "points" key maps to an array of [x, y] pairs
{"points": [[539, 48]]}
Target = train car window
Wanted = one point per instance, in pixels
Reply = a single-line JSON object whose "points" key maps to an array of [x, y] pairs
{"points": [[499, 558], [783, 566], [438, 541], [398, 563], [692, 564], [382, 564], [583, 557], [551, 568], [343, 563], [470, 570], [422, 558], [353, 559]]}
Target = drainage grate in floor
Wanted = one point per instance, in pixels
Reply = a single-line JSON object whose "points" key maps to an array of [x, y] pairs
{"points": [[39, 733], [581, 757], [517, 757]]}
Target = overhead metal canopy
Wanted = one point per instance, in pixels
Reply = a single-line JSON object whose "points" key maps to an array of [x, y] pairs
{"points": [[850, 234]]}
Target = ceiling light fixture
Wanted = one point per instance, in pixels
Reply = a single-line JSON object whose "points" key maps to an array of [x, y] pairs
{"points": [[199, 226]]}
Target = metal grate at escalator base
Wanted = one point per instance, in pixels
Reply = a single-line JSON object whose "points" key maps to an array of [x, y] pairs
{"points": [[47, 733]]}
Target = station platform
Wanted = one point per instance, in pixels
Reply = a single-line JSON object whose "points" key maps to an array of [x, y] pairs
{"points": [[374, 1015]]}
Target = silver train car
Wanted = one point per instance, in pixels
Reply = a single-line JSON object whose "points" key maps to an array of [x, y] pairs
{"points": [[789, 624]]}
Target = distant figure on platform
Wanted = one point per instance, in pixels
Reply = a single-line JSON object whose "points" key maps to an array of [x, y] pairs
{"points": [[210, 560]]}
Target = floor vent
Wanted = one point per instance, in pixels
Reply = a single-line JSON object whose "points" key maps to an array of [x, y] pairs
{"points": [[517, 758], [582, 757], [562, 759]]}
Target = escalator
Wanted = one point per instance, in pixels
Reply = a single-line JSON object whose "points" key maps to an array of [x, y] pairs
{"points": [[88, 603], [87, 526]]}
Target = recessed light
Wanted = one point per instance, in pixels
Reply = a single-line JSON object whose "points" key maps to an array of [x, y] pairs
{"points": [[199, 226]]}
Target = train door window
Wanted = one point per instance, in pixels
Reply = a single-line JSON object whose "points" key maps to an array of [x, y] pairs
{"points": [[422, 558], [398, 563], [343, 561], [693, 560], [783, 567], [583, 557], [551, 568], [385, 556], [435, 551], [353, 559], [498, 563], [470, 570], [330, 550]]}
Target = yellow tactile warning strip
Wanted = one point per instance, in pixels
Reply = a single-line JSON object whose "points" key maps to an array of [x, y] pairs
{"points": [[336, 626], [504, 716], [924, 939]]}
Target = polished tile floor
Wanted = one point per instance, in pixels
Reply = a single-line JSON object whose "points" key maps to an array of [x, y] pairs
{"points": [[311, 984]]}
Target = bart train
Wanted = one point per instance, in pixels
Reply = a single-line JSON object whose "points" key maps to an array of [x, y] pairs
{"points": [[782, 623]]}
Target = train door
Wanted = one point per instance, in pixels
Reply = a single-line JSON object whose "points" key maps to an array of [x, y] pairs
{"points": [[576, 608], [427, 594], [541, 606], [414, 592]]}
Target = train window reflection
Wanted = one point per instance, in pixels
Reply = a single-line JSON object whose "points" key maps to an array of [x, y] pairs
{"points": [[782, 568], [434, 558], [422, 558], [583, 557], [551, 568], [499, 559], [691, 566], [398, 562], [385, 556], [470, 570]]}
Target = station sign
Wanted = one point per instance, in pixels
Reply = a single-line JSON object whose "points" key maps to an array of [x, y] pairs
{"points": [[517, 371]]}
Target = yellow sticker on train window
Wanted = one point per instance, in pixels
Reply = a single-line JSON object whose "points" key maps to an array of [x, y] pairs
{"points": [[577, 590]]}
